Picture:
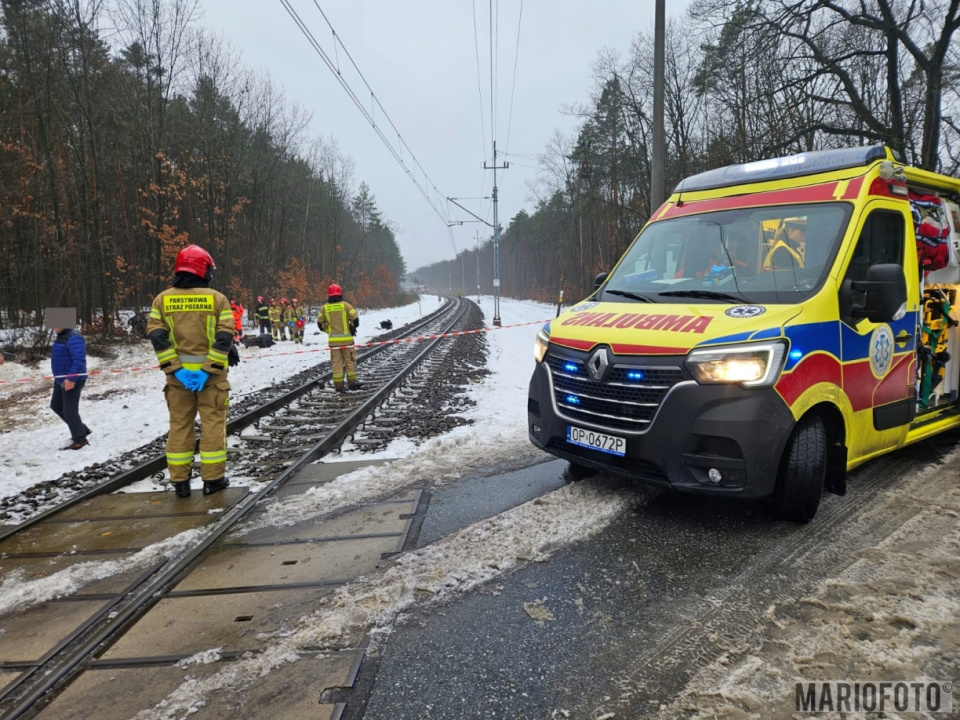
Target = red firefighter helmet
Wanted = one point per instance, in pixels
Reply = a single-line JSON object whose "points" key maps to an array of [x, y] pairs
{"points": [[272, 301], [259, 298], [283, 301], [194, 259], [334, 289]]}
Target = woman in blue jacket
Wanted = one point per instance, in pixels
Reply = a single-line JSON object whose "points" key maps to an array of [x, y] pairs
{"points": [[68, 359]]}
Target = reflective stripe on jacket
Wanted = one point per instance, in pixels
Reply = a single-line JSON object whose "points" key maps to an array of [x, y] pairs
{"points": [[192, 317], [336, 320]]}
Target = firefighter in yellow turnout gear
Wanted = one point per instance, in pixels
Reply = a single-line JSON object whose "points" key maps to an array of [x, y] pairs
{"points": [[275, 313], [191, 329], [299, 318], [339, 320], [285, 319]]}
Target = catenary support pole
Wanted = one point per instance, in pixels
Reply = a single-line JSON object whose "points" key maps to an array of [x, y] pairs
{"points": [[496, 236], [657, 183]]}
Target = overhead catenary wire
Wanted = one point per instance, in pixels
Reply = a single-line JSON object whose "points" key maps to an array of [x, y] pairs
{"points": [[513, 88], [493, 86], [476, 47], [397, 152]]}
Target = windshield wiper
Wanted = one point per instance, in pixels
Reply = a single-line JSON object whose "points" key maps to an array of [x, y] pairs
{"points": [[706, 294], [632, 296]]}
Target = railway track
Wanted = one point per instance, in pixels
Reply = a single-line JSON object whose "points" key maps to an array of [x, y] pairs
{"points": [[268, 447], [155, 464]]}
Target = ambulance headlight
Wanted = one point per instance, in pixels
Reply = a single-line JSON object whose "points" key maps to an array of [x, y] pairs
{"points": [[540, 344], [752, 365]]}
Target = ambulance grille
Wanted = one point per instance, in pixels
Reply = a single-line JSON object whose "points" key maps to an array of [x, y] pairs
{"points": [[628, 398]]}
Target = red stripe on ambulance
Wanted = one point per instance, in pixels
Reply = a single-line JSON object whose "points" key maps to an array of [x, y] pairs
{"points": [[813, 369]]}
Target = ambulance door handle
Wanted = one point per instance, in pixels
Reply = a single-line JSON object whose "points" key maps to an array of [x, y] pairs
{"points": [[903, 338]]}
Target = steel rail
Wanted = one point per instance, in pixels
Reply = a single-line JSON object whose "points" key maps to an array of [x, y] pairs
{"points": [[142, 597], [157, 463]]}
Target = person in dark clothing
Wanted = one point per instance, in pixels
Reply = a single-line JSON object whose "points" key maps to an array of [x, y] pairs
{"points": [[68, 360], [262, 315]]}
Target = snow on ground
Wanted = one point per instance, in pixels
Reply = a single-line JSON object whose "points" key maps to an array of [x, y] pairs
{"points": [[498, 432], [18, 593], [435, 574], [894, 614], [126, 409]]}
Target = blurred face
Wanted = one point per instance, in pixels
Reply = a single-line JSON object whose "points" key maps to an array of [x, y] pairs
{"points": [[796, 236]]}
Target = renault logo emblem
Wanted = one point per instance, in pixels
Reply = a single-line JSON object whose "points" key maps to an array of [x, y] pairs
{"points": [[597, 364]]}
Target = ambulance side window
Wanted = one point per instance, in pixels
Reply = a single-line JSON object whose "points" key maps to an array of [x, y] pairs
{"points": [[881, 241]]}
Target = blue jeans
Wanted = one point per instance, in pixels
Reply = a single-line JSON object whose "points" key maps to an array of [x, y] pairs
{"points": [[66, 404]]}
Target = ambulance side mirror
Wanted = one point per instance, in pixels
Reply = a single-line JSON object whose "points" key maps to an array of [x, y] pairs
{"points": [[883, 293], [598, 280]]}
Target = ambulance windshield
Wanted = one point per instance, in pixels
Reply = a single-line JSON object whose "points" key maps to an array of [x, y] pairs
{"points": [[778, 254]]}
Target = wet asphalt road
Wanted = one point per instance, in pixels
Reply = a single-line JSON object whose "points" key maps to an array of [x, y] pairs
{"points": [[637, 609]]}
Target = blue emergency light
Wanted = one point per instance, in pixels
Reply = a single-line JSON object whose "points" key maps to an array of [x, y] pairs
{"points": [[571, 367], [783, 167], [634, 375], [796, 354], [573, 400]]}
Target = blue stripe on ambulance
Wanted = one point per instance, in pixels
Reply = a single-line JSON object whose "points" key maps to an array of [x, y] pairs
{"points": [[768, 334], [812, 337], [857, 346], [737, 337]]}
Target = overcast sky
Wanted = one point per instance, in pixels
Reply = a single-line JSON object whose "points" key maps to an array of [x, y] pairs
{"points": [[420, 58]]}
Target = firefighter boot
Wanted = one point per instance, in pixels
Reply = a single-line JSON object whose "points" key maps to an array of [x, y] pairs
{"points": [[183, 489], [209, 488], [355, 385]]}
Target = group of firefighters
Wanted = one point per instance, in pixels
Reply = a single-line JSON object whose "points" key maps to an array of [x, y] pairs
{"points": [[193, 330], [283, 322]]}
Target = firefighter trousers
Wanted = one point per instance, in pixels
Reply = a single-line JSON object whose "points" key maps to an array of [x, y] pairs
{"points": [[212, 403], [344, 362], [278, 333]]}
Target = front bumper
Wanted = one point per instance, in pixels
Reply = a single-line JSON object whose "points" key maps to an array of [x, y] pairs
{"points": [[741, 433]]}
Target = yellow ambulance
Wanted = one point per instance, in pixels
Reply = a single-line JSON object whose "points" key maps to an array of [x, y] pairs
{"points": [[774, 325]]}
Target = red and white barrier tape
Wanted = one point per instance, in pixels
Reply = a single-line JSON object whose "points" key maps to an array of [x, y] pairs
{"points": [[458, 333]]}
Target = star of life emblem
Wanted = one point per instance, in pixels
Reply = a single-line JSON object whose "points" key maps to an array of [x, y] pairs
{"points": [[745, 311], [881, 350]]}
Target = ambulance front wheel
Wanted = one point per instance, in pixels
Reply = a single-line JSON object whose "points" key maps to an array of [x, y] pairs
{"points": [[803, 469]]}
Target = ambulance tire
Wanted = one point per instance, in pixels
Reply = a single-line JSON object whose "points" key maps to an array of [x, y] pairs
{"points": [[803, 469], [576, 472]]}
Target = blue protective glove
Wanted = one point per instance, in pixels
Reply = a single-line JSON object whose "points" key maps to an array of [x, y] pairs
{"points": [[200, 379], [187, 378]]}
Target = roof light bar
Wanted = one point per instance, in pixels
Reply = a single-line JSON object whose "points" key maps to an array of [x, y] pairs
{"points": [[783, 167]]}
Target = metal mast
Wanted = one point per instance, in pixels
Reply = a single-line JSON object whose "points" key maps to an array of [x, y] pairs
{"points": [[496, 236], [657, 193]]}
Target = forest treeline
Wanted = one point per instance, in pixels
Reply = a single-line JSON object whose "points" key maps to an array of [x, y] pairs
{"points": [[127, 132], [745, 80]]}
